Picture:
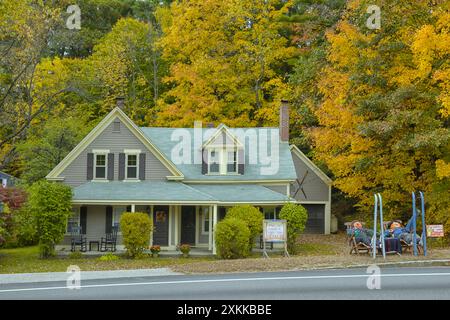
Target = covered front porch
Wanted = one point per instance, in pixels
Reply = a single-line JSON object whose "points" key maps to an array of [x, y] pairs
{"points": [[181, 213], [172, 224]]}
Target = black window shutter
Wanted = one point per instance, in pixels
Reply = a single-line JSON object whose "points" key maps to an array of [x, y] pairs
{"points": [[109, 213], [83, 219], [110, 166], [128, 208], [121, 166], [90, 166], [241, 161], [204, 161], [142, 166]]}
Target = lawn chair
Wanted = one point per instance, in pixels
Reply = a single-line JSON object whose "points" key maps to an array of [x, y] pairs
{"points": [[77, 239], [109, 240], [356, 247]]}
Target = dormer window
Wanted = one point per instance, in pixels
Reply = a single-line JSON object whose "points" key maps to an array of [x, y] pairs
{"points": [[223, 153], [223, 161], [214, 161], [232, 161]]}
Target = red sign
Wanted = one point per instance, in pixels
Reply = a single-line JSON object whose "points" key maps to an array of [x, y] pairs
{"points": [[435, 230]]}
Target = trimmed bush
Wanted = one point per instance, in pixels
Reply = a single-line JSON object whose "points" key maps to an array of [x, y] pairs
{"points": [[296, 217], [136, 228], [252, 217], [232, 239], [51, 204]]}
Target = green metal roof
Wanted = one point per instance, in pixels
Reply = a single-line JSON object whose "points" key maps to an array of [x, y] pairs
{"points": [[162, 138], [177, 192]]}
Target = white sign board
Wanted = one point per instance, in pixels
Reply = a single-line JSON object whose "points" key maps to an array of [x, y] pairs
{"points": [[4, 183], [274, 230]]}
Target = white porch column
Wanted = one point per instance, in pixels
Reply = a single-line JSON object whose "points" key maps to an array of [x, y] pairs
{"points": [[177, 225], [214, 227], [133, 208], [210, 239]]}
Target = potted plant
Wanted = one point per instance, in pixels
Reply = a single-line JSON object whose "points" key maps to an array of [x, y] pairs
{"points": [[185, 249], [155, 249]]}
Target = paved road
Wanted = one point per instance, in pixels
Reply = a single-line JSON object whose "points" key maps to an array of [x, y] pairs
{"points": [[396, 283]]}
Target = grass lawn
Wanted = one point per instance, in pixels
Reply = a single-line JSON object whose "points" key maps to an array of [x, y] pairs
{"points": [[26, 260], [314, 251]]}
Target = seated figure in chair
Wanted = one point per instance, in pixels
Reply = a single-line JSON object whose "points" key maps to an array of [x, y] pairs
{"points": [[397, 230], [361, 234]]}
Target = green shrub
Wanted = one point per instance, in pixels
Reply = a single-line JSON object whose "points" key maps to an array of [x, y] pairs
{"points": [[75, 255], [51, 204], [109, 257], [136, 228], [296, 217], [231, 238], [252, 217], [25, 228]]}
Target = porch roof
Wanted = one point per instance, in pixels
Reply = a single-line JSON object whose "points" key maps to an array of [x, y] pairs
{"points": [[163, 191], [246, 193], [174, 192]]}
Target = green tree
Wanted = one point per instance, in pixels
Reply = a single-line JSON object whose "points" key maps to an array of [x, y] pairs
{"points": [[51, 204], [136, 228], [46, 146], [296, 217]]}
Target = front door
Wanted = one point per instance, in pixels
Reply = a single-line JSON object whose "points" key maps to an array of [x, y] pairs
{"points": [[161, 225], [188, 225]]}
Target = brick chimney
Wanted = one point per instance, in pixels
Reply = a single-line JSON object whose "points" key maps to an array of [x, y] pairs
{"points": [[284, 121], [120, 102]]}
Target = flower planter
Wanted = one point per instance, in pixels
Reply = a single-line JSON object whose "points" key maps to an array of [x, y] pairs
{"points": [[155, 255]]}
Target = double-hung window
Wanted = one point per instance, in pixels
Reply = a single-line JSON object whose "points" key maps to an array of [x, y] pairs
{"points": [[214, 161], [101, 163], [131, 166], [223, 161], [204, 218], [232, 161]]}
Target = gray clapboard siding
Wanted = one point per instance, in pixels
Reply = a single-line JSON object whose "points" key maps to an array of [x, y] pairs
{"points": [[96, 220], [76, 173], [314, 187]]}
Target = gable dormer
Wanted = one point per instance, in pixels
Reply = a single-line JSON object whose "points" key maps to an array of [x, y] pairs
{"points": [[223, 153]]}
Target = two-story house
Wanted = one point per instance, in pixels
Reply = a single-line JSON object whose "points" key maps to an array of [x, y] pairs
{"points": [[186, 178]]}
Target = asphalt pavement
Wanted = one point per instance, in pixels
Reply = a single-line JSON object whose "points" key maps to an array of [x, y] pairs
{"points": [[348, 284]]}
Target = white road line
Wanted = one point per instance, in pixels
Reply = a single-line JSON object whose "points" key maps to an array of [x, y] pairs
{"points": [[230, 280]]}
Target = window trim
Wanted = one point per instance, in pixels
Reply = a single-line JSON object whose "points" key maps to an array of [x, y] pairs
{"points": [[101, 153], [137, 165], [203, 220]]}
